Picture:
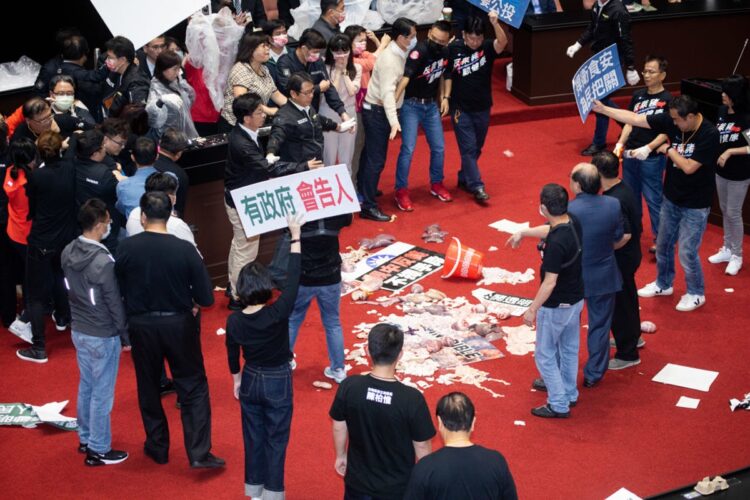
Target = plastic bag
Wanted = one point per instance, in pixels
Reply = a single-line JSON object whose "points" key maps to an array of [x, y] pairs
{"points": [[19, 74], [304, 17], [373, 20], [419, 11], [355, 12], [212, 43]]}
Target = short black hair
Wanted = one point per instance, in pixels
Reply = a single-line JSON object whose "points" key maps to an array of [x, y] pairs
{"points": [[443, 25], [456, 411], [660, 60], [89, 143], [607, 163], [270, 25], [22, 155], [144, 151], [402, 27], [312, 39], [165, 60], [475, 25], [245, 105], [34, 107], [114, 127], [684, 105], [296, 80], [248, 44], [161, 181], [121, 47], [555, 198], [74, 48], [61, 78], [254, 284], [589, 180], [173, 141], [156, 205], [92, 212], [736, 88], [326, 5], [384, 343]]}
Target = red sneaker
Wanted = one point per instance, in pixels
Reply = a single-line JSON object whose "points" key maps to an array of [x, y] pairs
{"points": [[439, 190], [403, 201]]}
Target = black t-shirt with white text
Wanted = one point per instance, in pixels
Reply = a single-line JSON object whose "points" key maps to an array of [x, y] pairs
{"points": [[425, 65], [702, 145], [647, 104], [730, 127], [562, 256], [471, 74], [382, 418], [469, 473]]}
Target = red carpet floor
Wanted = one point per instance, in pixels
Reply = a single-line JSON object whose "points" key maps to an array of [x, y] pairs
{"points": [[625, 432]]}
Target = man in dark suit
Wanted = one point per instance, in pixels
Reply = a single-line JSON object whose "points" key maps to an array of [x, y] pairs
{"points": [[253, 7], [603, 232], [147, 55], [247, 164]]}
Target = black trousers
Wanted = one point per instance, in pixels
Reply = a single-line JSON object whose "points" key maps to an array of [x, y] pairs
{"points": [[176, 338], [10, 265], [626, 320], [45, 287]]}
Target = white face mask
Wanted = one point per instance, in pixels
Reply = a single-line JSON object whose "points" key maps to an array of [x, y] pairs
{"points": [[109, 230], [64, 102], [412, 44]]}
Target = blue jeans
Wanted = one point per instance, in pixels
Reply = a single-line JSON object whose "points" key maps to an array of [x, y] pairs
{"points": [[413, 114], [374, 153], [683, 226], [602, 124], [98, 361], [646, 177], [600, 310], [329, 298], [471, 131], [266, 401], [556, 354]]}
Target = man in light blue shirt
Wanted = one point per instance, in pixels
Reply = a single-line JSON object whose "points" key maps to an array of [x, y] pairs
{"points": [[130, 189]]}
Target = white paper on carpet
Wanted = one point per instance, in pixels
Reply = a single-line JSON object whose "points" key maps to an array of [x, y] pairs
{"points": [[685, 376]]}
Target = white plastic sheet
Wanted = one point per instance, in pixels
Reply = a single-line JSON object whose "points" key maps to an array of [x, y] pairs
{"points": [[419, 11], [18, 74]]}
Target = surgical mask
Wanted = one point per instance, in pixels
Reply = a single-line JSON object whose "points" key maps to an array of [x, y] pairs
{"points": [[180, 54], [341, 17], [412, 44], [109, 230], [111, 64], [359, 47], [64, 102], [313, 57], [280, 40]]}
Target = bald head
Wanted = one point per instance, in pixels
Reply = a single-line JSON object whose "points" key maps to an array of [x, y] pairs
{"points": [[585, 178]]}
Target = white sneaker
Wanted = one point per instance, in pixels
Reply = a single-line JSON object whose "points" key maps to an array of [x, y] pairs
{"points": [[293, 362], [653, 290], [690, 302], [723, 255], [21, 330], [734, 266], [337, 375]]}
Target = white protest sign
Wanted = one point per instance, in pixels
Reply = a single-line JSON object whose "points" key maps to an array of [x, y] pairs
{"points": [[141, 21], [320, 193]]}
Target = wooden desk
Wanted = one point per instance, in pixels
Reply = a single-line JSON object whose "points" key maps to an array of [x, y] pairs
{"points": [[699, 37]]}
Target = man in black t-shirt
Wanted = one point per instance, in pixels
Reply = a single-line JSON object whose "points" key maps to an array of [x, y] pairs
{"points": [[642, 166], [688, 192], [626, 318], [468, 87], [461, 469], [386, 423], [558, 302], [423, 77]]}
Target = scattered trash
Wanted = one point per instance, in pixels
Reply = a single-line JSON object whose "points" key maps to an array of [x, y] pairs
{"points": [[729, 290], [381, 240], [29, 416], [322, 385], [372, 311], [433, 234], [493, 248], [494, 275], [519, 423], [519, 340], [708, 486], [220, 331], [508, 153], [648, 327], [508, 226], [736, 404], [219, 289], [686, 402]]}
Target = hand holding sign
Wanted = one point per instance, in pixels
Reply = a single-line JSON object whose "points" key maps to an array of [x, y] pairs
{"points": [[295, 222], [314, 163], [573, 49], [271, 158]]}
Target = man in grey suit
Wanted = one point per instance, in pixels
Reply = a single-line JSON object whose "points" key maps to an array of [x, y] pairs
{"points": [[603, 233]]}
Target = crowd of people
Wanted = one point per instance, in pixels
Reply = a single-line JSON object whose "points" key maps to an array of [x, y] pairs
{"points": [[94, 197]]}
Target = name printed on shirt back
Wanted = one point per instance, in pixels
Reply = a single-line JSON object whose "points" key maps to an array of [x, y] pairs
{"points": [[379, 396]]}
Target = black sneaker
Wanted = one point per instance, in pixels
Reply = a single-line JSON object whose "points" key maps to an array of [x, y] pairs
{"points": [[538, 384], [60, 323], [481, 195], [546, 412], [83, 448], [167, 388], [32, 354], [210, 462], [112, 457], [592, 149]]}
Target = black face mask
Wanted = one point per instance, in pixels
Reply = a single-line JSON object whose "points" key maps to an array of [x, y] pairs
{"points": [[434, 47]]}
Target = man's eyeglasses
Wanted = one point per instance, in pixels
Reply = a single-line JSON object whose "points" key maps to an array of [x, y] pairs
{"points": [[119, 143], [307, 92], [43, 121], [158, 47]]}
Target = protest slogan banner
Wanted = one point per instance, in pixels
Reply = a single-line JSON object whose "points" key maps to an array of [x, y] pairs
{"points": [[26, 415], [320, 193], [515, 305], [597, 78], [508, 11]]}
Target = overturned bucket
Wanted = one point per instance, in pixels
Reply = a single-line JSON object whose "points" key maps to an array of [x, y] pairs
{"points": [[462, 261]]}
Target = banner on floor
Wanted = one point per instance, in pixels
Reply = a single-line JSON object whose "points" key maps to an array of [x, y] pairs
{"points": [[597, 78], [26, 415], [508, 11], [516, 306], [398, 265], [320, 193]]}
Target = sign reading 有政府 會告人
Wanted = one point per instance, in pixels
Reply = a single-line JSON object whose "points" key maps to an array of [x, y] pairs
{"points": [[598, 77], [317, 194]]}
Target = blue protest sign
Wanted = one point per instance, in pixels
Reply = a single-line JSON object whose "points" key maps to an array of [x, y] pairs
{"points": [[508, 11], [597, 78]]}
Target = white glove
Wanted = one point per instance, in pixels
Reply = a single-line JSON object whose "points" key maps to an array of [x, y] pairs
{"points": [[632, 77], [271, 158], [573, 49], [638, 153], [618, 149], [171, 100], [348, 124]]}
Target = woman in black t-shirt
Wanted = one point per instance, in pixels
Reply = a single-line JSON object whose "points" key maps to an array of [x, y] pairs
{"points": [[733, 172], [264, 387]]}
